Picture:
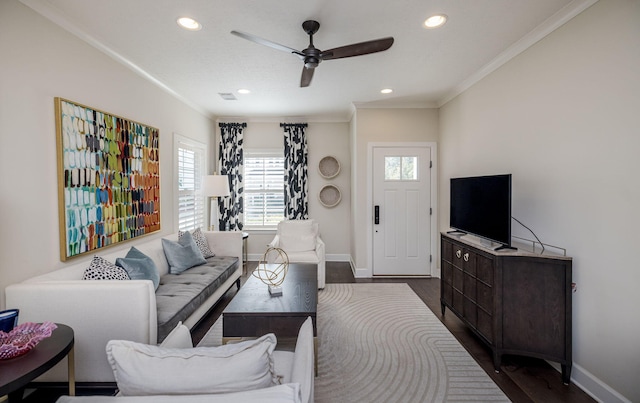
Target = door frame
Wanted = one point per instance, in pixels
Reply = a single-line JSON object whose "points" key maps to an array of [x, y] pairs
{"points": [[434, 201]]}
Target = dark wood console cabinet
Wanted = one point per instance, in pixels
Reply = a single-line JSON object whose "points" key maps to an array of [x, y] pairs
{"points": [[516, 302]]}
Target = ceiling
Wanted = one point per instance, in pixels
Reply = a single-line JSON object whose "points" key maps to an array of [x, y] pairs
{"points": [[424, 67]]}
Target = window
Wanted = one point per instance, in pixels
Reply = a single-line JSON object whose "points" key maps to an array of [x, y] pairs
{"points": [[400, 168], [191, 168], [263, 189]]}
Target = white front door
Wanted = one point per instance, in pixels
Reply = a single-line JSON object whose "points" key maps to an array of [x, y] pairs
{"points": [[402, 211]]}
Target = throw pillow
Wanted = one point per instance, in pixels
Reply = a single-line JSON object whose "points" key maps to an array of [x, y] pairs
{"points": [[303, 368], [275, 394], [301, 243], [298, 235], [182, 255], [142, 369], [102, 269], [180, 337], [139, 266], [201, 242]]}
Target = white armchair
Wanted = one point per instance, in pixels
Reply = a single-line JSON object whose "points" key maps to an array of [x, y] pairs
{"points": [[301, 240]]}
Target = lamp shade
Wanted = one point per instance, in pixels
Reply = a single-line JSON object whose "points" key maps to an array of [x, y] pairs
{"points": [[215, 185]]}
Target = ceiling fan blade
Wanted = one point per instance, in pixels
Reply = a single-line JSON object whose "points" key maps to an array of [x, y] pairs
{"points": [[307, 75], [266, 42], [357, 49]]}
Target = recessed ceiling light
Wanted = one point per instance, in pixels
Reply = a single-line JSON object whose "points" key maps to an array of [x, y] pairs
{"points": [[435, 21], [386, 91], [189, 23], [244, 91]]}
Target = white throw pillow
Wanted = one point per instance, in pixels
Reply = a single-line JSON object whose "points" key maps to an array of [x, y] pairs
{"points": [[303, 243], [142, 369], [180, 337], [275, 394], [303, 370]]}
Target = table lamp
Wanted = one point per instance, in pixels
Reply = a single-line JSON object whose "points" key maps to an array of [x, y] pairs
{"points": [[214, 186]]}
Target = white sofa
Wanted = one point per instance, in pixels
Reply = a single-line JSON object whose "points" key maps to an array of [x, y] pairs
{"points": [[99, 311], [147, 373], [301, 240]]}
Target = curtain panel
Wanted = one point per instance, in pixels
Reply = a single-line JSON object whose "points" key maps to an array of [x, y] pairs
{"points": [[296, 187], [230, 162]]}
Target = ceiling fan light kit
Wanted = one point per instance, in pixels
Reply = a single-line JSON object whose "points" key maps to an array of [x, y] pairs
{"points": [[312, 56]]}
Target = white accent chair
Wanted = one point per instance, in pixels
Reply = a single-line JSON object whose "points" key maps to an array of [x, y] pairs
{"points": [[300, 239]]}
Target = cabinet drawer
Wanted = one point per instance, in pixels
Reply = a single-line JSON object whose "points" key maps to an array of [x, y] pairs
{"points": [[470, 311], [458, 279], [458, 301], [447, 293], [484, 269], [485, 325], [469, 261], [484, 296], [447, 250], [447, 273], [456, 255], [469, 287]]}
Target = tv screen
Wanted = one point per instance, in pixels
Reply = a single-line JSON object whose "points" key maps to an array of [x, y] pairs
{"points": [[481, 205]]}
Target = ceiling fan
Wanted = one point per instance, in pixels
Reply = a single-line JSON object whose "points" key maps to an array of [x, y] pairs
{"points": [[312, 56]]}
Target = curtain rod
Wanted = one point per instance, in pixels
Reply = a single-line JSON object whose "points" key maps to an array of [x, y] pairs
{"points": [[232, 125], [293, 125]]}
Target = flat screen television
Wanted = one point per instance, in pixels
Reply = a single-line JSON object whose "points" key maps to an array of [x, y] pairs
{"points": [[481, 205]]}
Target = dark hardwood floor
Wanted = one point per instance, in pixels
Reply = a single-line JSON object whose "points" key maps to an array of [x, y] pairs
{"points": [[522, 379]]}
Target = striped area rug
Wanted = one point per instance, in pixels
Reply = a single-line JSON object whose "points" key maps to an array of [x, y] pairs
{"points": [[381, 343]]}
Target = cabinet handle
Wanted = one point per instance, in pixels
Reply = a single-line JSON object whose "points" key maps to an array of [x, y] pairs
{"points": [[458, 253], [466, 257]]}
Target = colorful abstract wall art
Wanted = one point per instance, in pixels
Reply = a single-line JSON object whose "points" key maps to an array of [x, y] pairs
{"points": [[108, 179]]}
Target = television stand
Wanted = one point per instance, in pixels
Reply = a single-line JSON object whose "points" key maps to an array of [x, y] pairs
{"points": [[516, 302], [501, 247]]}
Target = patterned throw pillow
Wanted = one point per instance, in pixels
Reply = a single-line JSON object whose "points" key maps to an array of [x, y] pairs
{"points": [[101, 269], [201, 241]]}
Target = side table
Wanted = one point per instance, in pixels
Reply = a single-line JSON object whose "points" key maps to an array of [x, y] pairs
{"points": [[16, 373]]}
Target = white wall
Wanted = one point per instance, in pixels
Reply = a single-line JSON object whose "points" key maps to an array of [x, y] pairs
{"points": [[41, 61], [563, 117], [323, 138], [380, 125]]}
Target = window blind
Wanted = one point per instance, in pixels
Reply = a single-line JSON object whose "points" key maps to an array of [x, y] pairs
{"points": [[191, 206], [263, 190]]}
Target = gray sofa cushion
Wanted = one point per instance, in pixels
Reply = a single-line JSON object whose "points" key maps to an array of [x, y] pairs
{"points": [[179, 295]]}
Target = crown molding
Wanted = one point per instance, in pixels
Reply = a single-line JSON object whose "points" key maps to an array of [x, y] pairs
{"points": [[548, 26], [53, 14]]}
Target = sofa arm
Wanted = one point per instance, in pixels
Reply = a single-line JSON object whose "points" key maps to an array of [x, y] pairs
{"points": [[225, 243], [97, 311]]}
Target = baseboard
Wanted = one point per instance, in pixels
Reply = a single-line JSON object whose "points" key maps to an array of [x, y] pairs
{"points": [[592, 385], [338, 257]]}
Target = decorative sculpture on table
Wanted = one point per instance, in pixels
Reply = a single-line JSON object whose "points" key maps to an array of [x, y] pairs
{"points": [[273, 274], [23, 338]]}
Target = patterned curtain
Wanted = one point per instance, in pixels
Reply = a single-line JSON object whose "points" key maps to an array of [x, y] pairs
{"points": [[296, 187], [230, 162]]}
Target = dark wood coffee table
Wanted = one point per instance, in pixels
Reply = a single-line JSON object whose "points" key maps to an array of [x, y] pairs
{"points": [[253, 312], [16, 373]]}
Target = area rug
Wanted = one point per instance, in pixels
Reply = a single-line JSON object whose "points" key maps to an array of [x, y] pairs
{"points": [[381, 343]]}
